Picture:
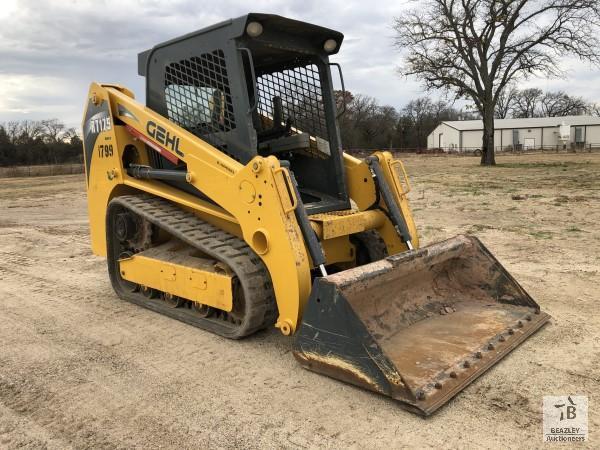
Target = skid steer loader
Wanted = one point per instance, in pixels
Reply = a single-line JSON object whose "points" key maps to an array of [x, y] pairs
{"points": [[227, 203]]}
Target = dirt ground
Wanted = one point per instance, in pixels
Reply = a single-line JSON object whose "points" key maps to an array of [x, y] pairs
{"points": [[81, 368]]}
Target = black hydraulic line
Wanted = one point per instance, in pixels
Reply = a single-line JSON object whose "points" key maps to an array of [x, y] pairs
{"points": [[312, 242], [145, 172], [393, 209]]}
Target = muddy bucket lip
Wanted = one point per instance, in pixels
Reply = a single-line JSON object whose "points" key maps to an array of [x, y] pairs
{"points": [[452, 247], [449, 247], [378, 374], [340, 341], [444, 388]]}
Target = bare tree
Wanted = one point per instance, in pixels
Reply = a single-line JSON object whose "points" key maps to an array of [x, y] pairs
{"points": [[441, 110], [533, 102], [527, 102], [417, 111], [363, 109], [12, 130], [475, 48], [28, 131], [367, 124], [52, 130], [69, 135], [506, 101], [383, 124], [594, 109], [28, 142], [556, 104], [342, 98]]}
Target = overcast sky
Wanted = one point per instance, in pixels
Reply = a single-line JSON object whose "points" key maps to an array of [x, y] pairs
{"points": [[50, 50]]}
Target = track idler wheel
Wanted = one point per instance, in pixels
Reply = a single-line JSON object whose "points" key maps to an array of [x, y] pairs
{"points": [[202, 310], [126, 226], [172, 300], [148, 292]]}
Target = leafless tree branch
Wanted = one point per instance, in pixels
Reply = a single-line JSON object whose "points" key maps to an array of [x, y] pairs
{"points": [[476, 48]]}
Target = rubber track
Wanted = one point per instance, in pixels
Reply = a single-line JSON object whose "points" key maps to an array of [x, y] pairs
{"points": [[261, 308]]}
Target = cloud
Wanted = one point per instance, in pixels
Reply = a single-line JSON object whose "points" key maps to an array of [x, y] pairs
{"points": [[51, 50], [28, 94]]}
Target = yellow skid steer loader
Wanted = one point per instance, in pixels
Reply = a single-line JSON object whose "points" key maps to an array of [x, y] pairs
{"points": [[227, 203]]}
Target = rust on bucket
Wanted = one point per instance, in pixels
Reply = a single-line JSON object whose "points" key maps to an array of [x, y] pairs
{"points": [[417, 326]]}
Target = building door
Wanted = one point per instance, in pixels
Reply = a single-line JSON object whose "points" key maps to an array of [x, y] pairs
{"points": [[441, 140], [529, 143]]}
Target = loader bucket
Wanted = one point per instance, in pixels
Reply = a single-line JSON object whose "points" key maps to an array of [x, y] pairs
{"points": [[418, 326]]}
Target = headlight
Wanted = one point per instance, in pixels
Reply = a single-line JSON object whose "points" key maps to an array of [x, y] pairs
{"points": [[254, 29], [329, 45]]}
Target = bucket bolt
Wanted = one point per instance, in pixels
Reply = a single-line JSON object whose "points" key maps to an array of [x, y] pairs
{"points": [[491, 346], [502, 338]]}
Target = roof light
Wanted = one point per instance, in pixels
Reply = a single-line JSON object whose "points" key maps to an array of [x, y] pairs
{"points": [[254, 29], [330, 45]]}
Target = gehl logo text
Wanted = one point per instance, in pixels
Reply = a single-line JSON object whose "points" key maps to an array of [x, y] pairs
{"points": [[162, 136]]}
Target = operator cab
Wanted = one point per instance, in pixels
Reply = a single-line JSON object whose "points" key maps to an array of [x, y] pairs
{"points": [[256, 85]]}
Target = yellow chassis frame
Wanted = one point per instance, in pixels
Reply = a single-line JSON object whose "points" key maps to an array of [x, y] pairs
{"points": [[255, 202], [197, 284]]}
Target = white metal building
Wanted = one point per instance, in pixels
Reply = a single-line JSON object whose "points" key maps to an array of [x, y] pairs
{"points": [[519, 134]]}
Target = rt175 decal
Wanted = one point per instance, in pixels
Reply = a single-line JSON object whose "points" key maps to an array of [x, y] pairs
{"points": [[98, 125]]}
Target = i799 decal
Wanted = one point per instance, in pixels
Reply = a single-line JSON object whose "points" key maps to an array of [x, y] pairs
{"points": [[97, 120]]}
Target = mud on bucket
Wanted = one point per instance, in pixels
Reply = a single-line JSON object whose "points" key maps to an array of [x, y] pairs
{"points": [[417, 326]]}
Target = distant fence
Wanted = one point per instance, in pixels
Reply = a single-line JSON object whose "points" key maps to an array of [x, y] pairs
{"points": [[520, 149], [476, 151], [364, 152], [40, 171]]}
